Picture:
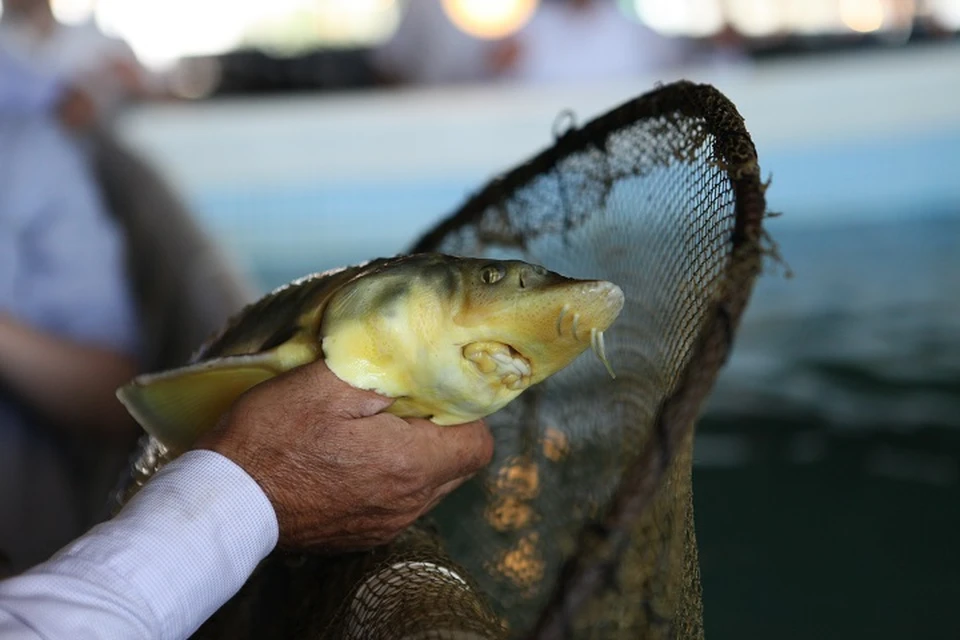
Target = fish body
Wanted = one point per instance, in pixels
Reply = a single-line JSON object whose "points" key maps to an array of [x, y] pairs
{"points": [[450, 339]]}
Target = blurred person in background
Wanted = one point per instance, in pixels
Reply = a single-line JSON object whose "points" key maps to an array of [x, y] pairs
{"points": [[589, 40], [103, 273], [428, 49], [99, 74], [68, 330]]}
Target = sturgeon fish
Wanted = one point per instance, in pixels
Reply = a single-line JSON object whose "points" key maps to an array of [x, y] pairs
{"points": [[451, 339]]}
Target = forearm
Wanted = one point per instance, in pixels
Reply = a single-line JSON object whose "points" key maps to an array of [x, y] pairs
{"points": [[175, 554], [69, 383]]}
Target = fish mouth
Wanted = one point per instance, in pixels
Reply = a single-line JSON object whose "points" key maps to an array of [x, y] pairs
{"points": [[500, 360]]}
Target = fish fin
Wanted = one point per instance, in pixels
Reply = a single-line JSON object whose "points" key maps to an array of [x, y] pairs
{"points": [[178, 406]]}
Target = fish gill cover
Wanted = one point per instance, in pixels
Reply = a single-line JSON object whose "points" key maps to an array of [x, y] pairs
{"points": [[583, 524]]}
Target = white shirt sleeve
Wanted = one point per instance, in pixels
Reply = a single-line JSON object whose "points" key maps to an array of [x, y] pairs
{"points": [[178, 551]]}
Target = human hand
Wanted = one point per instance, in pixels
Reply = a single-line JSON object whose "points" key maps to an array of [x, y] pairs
{"points": [[341, 475], [77, 110], [128, 75]]}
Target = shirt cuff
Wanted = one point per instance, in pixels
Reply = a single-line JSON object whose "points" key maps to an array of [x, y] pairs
{"points": [[186, 542]]}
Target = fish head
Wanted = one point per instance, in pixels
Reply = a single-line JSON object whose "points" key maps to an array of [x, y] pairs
{"points": [[455, 339], [543, 319]]}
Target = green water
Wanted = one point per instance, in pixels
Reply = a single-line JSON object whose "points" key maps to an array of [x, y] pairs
{"points": [[861, 542], [827, 493]]}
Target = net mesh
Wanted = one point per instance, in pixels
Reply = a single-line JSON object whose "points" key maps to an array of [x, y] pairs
{"points": [[583, 524]]}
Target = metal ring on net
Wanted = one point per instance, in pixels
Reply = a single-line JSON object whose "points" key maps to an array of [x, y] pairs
{"points": [[582, 526]]}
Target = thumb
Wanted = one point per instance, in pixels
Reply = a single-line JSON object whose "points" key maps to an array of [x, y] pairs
{"points": [[457, 451]]}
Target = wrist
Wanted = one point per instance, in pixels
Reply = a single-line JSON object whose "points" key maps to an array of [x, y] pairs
{"points": [[228, 443], [209, 481]]}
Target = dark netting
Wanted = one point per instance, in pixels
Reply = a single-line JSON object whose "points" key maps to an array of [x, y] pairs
{"points": [[583, 524]]}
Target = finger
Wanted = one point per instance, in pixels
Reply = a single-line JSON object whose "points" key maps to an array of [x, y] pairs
{"points": [[455, 451]]}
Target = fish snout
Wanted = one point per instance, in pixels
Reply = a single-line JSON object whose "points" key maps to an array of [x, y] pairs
{"points": [[611, 296], [607, 306], [592, 306]]}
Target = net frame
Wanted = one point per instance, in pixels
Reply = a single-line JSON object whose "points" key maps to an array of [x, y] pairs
{"points": [[601, 548]]}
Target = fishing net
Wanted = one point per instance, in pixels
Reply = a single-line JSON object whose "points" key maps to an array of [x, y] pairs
{"points": [[583, 524]]}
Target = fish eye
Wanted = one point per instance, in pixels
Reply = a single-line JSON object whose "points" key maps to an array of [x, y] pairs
{"points": [[537, 269], [491, 273]]}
